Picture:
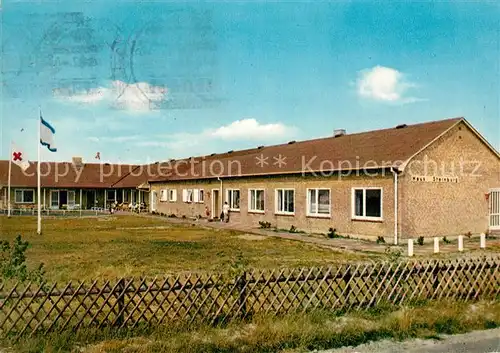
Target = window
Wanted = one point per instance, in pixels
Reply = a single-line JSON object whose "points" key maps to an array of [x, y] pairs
{"points": [[318, 202], [367, 203], [25, 196], [233, 199], [198, 195], [256, 200], [71, 198], [163, 195], [187, 195], [172, 195], [285, 201], [110, 195], [54, 199]]}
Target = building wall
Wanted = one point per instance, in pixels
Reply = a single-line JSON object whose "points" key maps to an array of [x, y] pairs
{"points": [[340, 194], [447, 208]]}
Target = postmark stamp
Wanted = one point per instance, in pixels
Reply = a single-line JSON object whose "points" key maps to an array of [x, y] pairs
{"points": [[61, 54], [177, 54]]}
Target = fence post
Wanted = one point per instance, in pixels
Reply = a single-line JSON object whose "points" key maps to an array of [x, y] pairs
{"points": [[435, 282], [242, 303], [347, 281], [121, 301], [482, 242], [436, 245], [460, 243], [410, 247]]}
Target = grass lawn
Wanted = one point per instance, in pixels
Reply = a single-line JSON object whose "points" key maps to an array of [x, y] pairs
{"points": [[129, 245]]}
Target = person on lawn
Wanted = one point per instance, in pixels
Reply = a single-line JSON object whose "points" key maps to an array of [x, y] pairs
{"points": [[225, 211]]}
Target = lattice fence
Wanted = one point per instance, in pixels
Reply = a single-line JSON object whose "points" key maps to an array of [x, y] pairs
{"points": [[214, 298]]}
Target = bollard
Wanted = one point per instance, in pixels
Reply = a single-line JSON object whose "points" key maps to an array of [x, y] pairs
{"points": [[482, 242], [410, 247], [460, 243], [436, 245]]}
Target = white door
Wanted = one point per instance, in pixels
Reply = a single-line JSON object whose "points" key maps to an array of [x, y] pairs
{"points": [[153, 200], [495, 209]]}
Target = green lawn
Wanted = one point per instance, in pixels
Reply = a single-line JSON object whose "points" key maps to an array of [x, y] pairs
{"points": [[128, 245]]}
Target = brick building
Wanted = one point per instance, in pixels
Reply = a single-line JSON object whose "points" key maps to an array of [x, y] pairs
{"points": [[439, 178]]}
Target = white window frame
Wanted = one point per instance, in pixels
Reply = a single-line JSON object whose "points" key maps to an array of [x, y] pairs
{"points": [[308, 202], [23, 190], [251, 207], [163, 195], [53, 205], [353, 203], [229, 199], [277, 211], [187, 195], [201, 196], [73, 203], [172, 195]]}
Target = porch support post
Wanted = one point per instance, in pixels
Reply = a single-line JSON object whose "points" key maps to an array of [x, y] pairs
{"points": [[139, 201], [81, 202], [105, 194]]}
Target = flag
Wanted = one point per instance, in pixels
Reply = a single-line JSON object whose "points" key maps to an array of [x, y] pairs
{"points": [[19, 158], [47, 133]]}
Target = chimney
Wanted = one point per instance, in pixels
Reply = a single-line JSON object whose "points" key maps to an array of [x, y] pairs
{"points": [[338, 132], [77, 162]]}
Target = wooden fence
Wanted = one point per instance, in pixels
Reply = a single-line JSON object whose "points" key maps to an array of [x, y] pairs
{"points": [[27, 309]]}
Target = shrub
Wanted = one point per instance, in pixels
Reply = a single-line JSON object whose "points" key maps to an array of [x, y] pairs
{"points": [[420, 240], [13, 262], [332, 233], [172, 216], [264, 225], [446, 241], [380, 240], [183, 216], [293, 229], [394, 255], [468, 234]]}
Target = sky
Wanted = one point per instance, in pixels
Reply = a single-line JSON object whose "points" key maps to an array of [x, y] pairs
{"points": [[149, 81]]}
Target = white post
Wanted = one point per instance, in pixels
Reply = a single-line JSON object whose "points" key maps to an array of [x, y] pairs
{"points": [[44, 201], [436, 245], [410, 247], [81, 203], [39, 219], [139, 202], [460, 243], [8, 187], [482, 243]]}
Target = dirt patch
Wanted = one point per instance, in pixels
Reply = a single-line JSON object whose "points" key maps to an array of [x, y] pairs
{"points": [[252, 237]]}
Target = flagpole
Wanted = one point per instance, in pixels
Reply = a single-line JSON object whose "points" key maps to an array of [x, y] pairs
{"points": [[8, 183], [39, 220]]}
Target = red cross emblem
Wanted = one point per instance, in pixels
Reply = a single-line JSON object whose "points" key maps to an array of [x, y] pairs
{"points": [[17, 156]]}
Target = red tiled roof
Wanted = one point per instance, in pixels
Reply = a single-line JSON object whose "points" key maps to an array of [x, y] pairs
{"points": [[65, 174], [373, 149]]}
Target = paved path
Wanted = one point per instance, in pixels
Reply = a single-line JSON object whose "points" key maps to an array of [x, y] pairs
{"points": [[487, 341], [337, 243]]}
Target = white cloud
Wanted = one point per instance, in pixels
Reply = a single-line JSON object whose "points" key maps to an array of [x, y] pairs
{"points": [[132, 97], [250, 129], [184, 144], [385, 84]]}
